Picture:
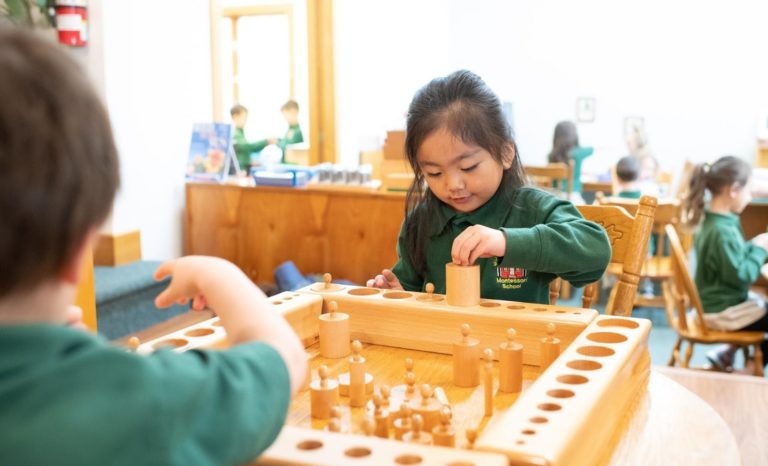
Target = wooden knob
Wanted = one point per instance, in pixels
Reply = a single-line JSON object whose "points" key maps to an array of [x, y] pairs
{"points": [[430, 288], [356, 348], [511, 335], [134, 343], [333, 306], [445, 415], [418, 424], [550, 329], [408, 364], [465, 329], [488, 355], [327, 280]]}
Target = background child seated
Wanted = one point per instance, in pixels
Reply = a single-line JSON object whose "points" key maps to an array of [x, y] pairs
{"points": [[627, 178], [290, 111], [67, 396]]}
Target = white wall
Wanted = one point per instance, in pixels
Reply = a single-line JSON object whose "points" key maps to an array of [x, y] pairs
{"points": [[157, 82], [696, 71]]}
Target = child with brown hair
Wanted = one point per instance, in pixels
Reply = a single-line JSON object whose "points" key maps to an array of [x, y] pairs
{"points": [[726, 264], [67, 396]]}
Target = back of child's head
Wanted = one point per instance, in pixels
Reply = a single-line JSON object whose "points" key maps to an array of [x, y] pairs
{"points": [[715, 178], [237, 109], [463, 105], [628, 169], [290, 105], [566, 137], [59, 164]]}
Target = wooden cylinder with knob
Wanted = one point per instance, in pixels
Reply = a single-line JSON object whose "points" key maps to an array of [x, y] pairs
{"points": [[462, 284], [466, 360], [550, 347], [324, 394], [510, 364], [334, 333]]}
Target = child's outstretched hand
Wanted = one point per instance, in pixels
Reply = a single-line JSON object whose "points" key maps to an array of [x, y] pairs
{"points": [[74, 318], [761, 240], [478, 241], [185, 274], [386, 280]]}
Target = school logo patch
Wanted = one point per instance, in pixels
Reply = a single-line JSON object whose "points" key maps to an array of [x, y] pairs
{"points": [[511, 278]]}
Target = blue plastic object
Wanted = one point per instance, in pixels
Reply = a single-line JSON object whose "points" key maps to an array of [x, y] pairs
{"points": [[288, 277]]}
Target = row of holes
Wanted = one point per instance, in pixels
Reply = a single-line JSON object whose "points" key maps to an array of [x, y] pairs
{"points": [[581, 365], [360, 452], [405, 295]]}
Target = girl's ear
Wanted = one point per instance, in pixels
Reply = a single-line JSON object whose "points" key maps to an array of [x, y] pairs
{"points": [[509, 156], [734, 189], [73, 269]]}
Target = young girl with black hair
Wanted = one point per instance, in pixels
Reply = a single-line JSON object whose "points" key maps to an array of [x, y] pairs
{"points": [[726, 264], [469, 203]]}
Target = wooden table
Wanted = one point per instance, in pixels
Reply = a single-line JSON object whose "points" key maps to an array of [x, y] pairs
{"points": [[352, 235], [670, 425], [741, 400]]}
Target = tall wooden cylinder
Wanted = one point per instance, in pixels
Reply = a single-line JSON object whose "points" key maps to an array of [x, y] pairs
{"points": [[462, 284], [334, 335]]}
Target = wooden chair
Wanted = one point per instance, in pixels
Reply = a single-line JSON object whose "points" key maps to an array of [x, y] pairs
{"points": [[658, 267], [628, 235], [681, 294], [545, 176]]}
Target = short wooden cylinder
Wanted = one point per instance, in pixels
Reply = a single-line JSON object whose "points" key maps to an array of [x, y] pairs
{"points": [[322, 399], [462, 284], [334, 335]]}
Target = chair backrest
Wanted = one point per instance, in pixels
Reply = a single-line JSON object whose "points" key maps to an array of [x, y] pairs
{"points": [[667, 213], [685, 293], [629, 245], [545, 175]]}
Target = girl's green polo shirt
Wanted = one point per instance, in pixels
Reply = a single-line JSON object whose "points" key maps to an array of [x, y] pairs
{"points": [[546, 238]]}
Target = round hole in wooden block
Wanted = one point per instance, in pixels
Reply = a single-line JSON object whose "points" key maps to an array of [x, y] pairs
{"points": [[560, 312], [528, 432], [607, 337], [596, 351], [363, 291], [576, 313], [397, 295], [538, 420], [572, 379], [584, 365], [560, 393], [408, 459], [357, 452], [520, 442], [540, 309], [170, 343], [199, 332], [515, 306], [296, 294], [618, 323], [489, 304], [218, 324], [277, 302], [549, 407], [287, 298], [310, 445], [461, 463]]}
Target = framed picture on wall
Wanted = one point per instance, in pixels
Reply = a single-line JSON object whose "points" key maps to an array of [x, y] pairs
{"points": [[585, 109]]}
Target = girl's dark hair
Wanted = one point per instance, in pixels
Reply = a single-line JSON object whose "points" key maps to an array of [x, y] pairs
{"points": [[462, 104], [720, 175], [566, 138]]}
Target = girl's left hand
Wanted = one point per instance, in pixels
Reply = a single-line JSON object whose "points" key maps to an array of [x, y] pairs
{"points": [[478, 241]]}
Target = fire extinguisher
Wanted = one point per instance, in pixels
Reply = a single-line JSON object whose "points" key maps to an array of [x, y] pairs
{"points": [[72, 22]]}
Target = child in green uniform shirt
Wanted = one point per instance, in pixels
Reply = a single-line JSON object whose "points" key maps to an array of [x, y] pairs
{"points": [[726, 264], [627, 174], [290, 111], [244, 148], [469, 203], [68, 397]]}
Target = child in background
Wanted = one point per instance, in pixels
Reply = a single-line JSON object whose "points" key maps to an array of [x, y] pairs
{"points": [[726, 264], [627, 174], [67, 396], [468, 204], [565, 147], [243, 148], [290, 111]]}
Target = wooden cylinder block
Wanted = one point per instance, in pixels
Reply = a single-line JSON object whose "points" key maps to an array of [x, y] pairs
{"points": [[462, 284], [324, 394], [334, 335], [356, 377], [550, 347], [466, 360], [510, 365]]}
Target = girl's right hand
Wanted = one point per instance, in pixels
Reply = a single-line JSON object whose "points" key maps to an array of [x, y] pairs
{"points": [[761, 240], [386, 280]]}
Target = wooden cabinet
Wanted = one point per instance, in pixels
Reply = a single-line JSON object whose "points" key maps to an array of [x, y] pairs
{"points": [[351, 235]]}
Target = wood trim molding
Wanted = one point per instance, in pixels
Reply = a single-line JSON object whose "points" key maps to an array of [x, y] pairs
{"points": [[322, 94]]}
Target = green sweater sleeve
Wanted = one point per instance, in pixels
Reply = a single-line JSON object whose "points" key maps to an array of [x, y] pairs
{"points": [[739, 261], [562, 243], [403, 268], [218, 407]]}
